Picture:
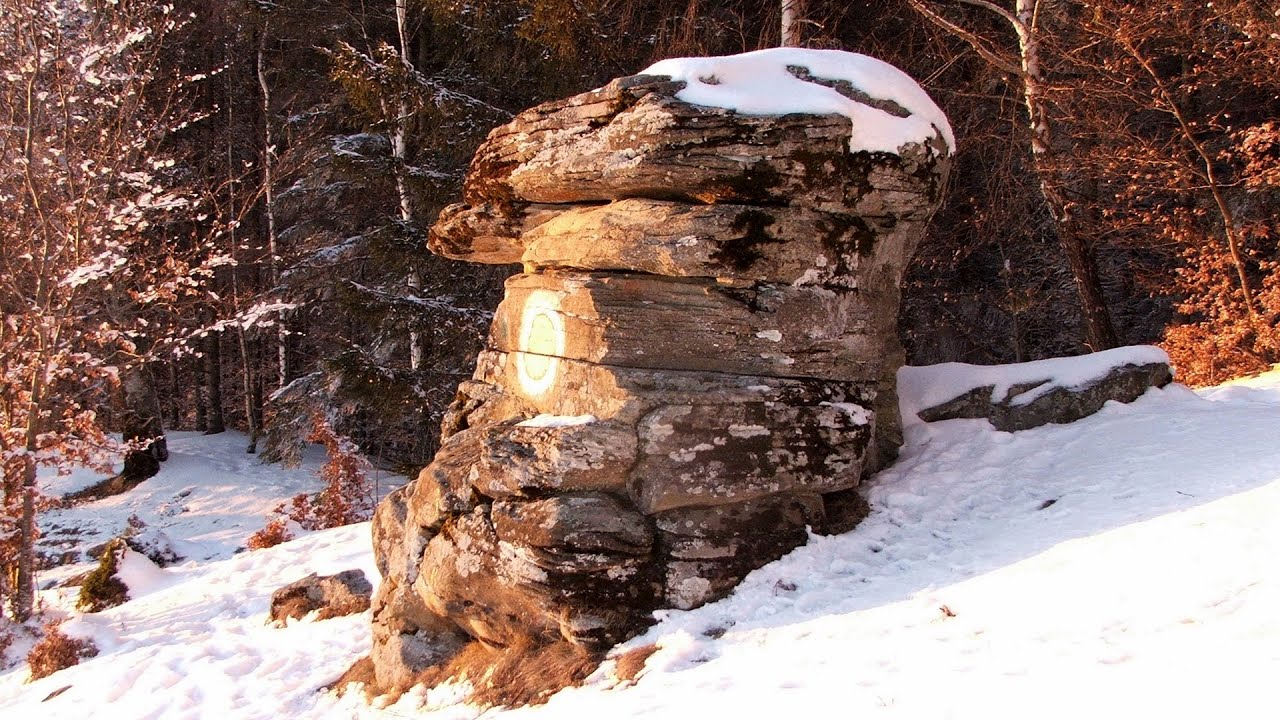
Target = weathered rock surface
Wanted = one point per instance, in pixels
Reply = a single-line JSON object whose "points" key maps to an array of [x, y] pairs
{"points": [[329, 596], [646, 321], [634, 138], [694, 371], [711, 548], [1058, 404], [784, 245]]}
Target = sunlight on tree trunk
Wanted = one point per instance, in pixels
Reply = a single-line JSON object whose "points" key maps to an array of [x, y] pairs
{"points": [[1023, 20], [792, 19]]}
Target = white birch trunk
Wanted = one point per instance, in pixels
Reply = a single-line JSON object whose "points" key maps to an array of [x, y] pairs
{"points": [[792, 12], [268, 195], [400, 152]]}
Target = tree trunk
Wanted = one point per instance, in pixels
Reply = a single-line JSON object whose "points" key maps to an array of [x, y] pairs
{"points": [[24, 590], [175, 395], [250, 413], [257, 405], [141, 424], [1100, 333], [202, 393], [215, 423], [246, 360], [269, 208], [400, 153], [792, 14]]}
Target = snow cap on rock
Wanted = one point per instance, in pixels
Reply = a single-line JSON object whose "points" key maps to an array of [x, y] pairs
{"points": [[782, 81]]}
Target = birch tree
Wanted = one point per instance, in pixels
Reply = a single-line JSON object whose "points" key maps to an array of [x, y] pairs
{"points": [[792, 18], [400, 156], [1027, 65]]}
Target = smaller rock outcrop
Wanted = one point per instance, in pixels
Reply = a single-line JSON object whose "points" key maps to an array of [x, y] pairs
{"points": [[1028, 395], [330, 596]]}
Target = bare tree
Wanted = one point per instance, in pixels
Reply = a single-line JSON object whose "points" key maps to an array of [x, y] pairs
{"points": [[1027, 64]]}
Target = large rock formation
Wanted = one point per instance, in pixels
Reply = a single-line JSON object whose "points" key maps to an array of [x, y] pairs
{"points": [[692, 369]]}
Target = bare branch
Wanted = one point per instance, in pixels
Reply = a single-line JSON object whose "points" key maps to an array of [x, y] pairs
{"points": [[973, 40], [1002, 12]]}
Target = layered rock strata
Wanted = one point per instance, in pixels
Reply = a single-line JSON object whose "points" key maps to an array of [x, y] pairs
{"points": [[695, 368]]}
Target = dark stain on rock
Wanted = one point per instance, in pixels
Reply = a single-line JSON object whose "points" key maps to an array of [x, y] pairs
{"points": [[742, 252], [755, 184], [828, 169], [842, 233]]}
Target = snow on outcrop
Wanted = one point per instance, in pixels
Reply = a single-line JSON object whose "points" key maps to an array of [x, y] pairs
{"points": [[782, 81], [1023, 395]]}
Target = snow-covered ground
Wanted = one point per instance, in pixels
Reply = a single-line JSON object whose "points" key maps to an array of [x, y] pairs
{"points": [[1122, 566], [210, 496]]}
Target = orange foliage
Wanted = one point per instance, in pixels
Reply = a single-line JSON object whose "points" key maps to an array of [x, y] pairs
{"points": [[346, 498], [57, 651], [275, 532]]}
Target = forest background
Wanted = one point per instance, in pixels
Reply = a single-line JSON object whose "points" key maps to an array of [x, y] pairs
{"points": [[213, 213]]}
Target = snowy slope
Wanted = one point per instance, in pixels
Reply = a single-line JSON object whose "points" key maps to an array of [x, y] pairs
{"points": [[209, 497], [1125, 565]]}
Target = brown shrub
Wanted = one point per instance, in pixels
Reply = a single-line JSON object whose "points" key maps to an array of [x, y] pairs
{"points": [[629, 664], [361, 671], [275, 532], [57, 651], [347, 496], [521, 674], [1222, 336]]}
